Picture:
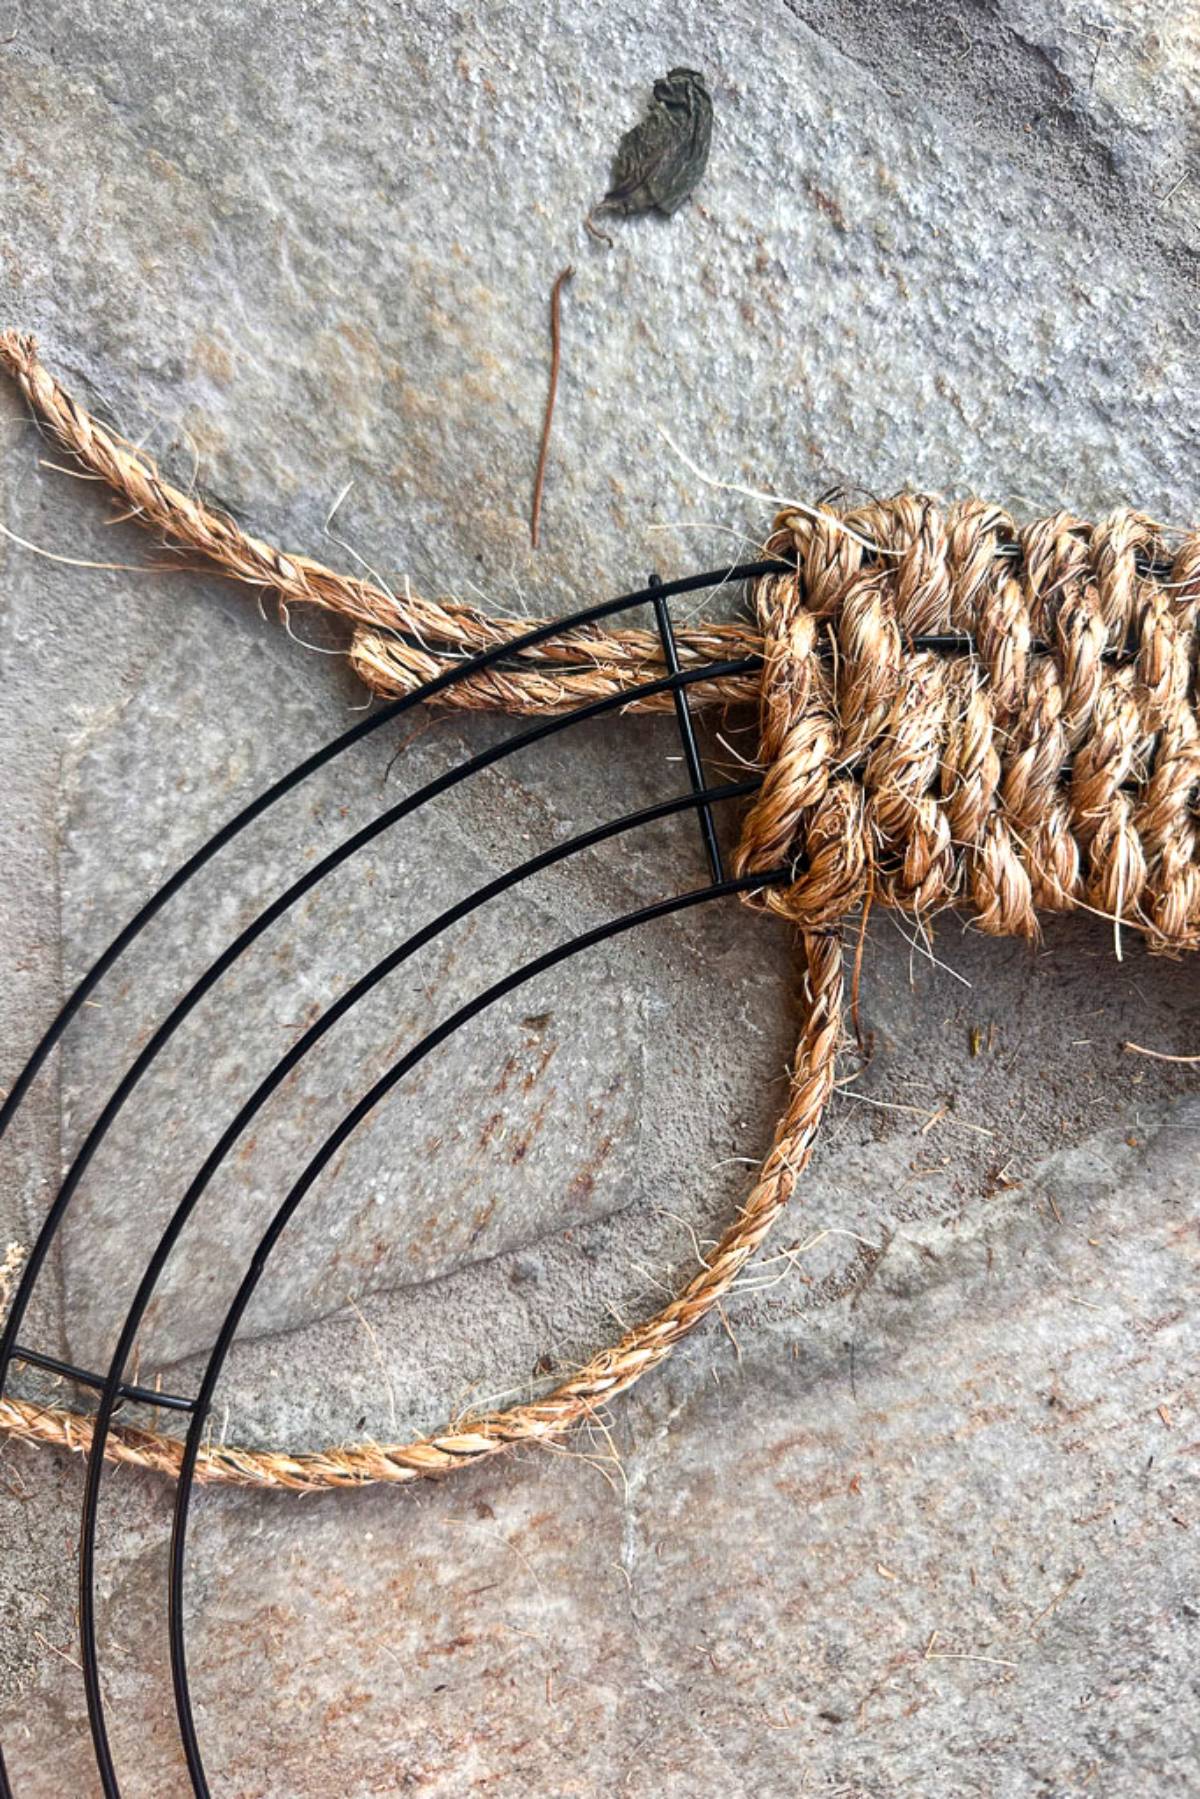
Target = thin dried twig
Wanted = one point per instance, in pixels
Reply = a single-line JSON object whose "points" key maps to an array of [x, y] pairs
{"points": [[539, 480], [1160, 1055]]}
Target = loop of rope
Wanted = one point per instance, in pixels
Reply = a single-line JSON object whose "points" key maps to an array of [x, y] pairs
{"points": [[610, 1372], [1052, 762]]}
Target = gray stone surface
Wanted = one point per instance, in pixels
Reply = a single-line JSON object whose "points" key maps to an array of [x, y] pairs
{"points": [[930, 1536], [924, 1520]]}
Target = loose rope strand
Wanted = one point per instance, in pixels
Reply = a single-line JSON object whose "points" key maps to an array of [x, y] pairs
{"points": [[399, 643]]}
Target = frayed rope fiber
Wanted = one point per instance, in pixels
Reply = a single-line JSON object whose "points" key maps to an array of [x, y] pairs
{"points": [[1047, 760]]}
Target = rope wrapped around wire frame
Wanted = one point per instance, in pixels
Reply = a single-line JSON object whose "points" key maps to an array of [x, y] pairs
{"points": [[955, 711]]}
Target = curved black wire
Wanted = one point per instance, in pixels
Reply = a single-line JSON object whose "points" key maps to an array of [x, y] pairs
{"points": [[499, 655], [112, 1386], [547, 727], [153, 1047], [329, 1148]]}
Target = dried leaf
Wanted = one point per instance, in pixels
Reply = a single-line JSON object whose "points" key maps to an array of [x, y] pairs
{"points": [[659, 163]]}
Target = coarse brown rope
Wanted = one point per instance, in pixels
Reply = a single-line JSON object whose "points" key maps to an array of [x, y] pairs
{"points": [[399, 643], [1050, 763], [1053, 765]]}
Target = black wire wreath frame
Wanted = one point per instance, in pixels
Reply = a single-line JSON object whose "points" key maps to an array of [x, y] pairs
{"points": [[111, 1387]]}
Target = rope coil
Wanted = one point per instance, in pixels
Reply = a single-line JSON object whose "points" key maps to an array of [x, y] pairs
{"points": [[1049, 761], [1052, 765]]}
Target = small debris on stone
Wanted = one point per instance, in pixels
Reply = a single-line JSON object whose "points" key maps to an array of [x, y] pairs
{"points": [[659, 162]]}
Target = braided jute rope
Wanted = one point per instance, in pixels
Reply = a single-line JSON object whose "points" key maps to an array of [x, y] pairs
{"points": [[1050, 763]]}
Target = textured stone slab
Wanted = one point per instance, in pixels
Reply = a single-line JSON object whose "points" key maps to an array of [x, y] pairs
{"points": [[791, 1546], [956, 248], [950, 256]]}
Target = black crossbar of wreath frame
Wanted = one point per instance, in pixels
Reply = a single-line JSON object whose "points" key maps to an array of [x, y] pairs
{"points": [[111, 1387]]}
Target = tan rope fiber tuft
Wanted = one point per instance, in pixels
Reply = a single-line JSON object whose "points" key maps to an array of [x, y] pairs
{"points": [[1048, 761]]}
